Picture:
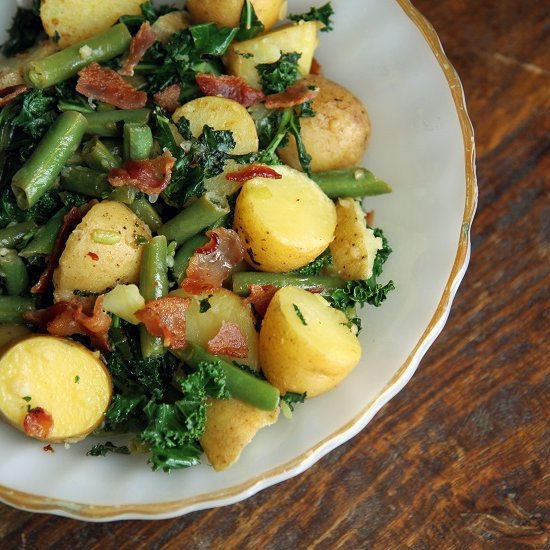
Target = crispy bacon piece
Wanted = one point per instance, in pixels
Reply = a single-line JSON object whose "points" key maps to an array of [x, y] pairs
{"points": [[229, 86], [150, 176], [229, 341], [169, 98], [253, 171], [141, 42], [68, 318], [293, 95], [38, 423], [316, 67], [207, 270], [70, 221], [96, 82], [369, 218], [259, 296], [165, 318], [11, 92]]}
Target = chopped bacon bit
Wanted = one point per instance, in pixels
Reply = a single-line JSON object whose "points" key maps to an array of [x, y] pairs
{"points": [[316, 67], [229, 341], [207, 271], [48, 449], [259, 296], [229, 86], [211, 245], [141, 42], [94, 256], [169, 98], [165, 318], [68, 318], [253, 171], [369, 218], [11, 92], [293, 95], [38, 423], [150, 175], [70, 221], [97, 82]]}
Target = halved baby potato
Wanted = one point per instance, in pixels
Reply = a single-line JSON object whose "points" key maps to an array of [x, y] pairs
{"points": [[305, 343], [52, 388], [283, 223]]}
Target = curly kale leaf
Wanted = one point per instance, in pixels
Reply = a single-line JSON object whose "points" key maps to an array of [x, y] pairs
{"points": [[249, 24], [25, 28], [101, 449], [322, 14], [278, 76], [317, 265]]}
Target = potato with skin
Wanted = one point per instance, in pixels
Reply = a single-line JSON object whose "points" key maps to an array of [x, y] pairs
{"points": [[168, 24], [338, 135], [103, 250], [354, 246], [242, 57], [230, 427], [227, 13], [221, 114], [283, 223], [305, 343], [76, 20], [53, 389]]}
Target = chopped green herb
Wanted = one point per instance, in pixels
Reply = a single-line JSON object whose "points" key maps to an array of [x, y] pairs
{"points": [[299, 314], [204, 305], [27, 398], [77, 379]]}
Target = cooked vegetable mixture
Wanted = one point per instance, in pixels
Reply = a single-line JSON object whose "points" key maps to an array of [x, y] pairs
{"points": [[183, 249]]}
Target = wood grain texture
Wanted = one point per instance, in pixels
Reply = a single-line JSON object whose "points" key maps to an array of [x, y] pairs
{"points": [[459, 459]]}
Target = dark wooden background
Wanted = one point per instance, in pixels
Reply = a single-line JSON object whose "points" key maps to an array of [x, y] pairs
{"points": [[459, 459]]}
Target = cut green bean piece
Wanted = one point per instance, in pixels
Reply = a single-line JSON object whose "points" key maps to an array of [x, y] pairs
{"points": [[14, 272], [55, 68], [184, 253], [144, 210], [125, 194], [350, 182], [324, 283], [153, 284], [137, 141], [194, 218], [98, 157], [43, 241], [240, 384], [41, 170], [11, 308], [85, 181], [17, 235], [105, 123]]}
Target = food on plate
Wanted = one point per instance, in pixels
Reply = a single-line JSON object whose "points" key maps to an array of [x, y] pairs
{"points": [[183, 251]]}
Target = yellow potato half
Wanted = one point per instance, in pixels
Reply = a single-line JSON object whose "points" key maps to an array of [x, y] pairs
{"points": [[305, 344], [221, 114], [76, 20], [337, 136], [65, 379], [283, 223], [242, 57], [104, 250], [230, 427]]}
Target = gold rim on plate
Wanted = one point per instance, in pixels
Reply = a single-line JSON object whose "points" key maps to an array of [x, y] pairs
{"points": [[37, 503]]}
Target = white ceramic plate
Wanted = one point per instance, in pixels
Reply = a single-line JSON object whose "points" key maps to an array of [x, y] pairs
{"points": [[422, 142]]}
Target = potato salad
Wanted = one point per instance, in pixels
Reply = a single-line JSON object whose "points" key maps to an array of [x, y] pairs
{"points": [[183, 243]]}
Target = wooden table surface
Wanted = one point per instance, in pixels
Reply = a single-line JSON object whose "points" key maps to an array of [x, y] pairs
{"points": [[459, 459]]}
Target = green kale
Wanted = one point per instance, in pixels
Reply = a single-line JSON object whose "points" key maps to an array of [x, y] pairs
{"points": [[291, 399], [249, 25], [26, 27], [41, 212], [382, 255], [37, 114], [149, 13], [101, 449], [317, 265], [322, 14], [210, 39], [278, 76]]}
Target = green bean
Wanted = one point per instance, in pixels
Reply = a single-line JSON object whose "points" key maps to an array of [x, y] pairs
{"points": [[125, 194], [196, 217], [11, 308], [137, 141], [98, 157], [153, 284], [40, 171], [13, 269], [240, 384], [350, 182], [85, 181], [114, 146], [184, 253], [17, 235], [55, 68], [241, 281], [105, 123], [43, 241], [144, 210]]}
